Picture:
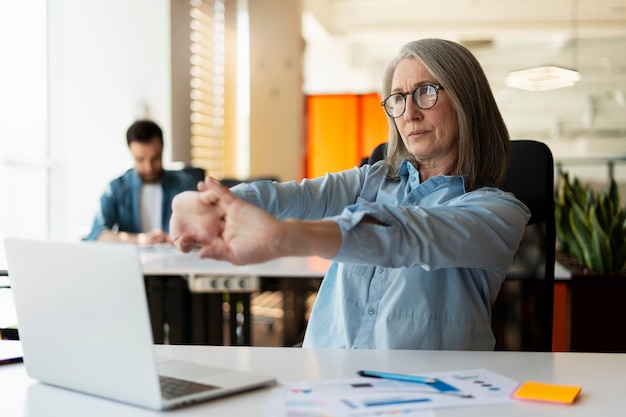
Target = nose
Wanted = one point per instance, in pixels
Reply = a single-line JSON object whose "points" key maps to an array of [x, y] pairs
{"points": [[147, 167], [411, 110]]}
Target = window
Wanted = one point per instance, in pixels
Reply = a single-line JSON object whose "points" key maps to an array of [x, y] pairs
{"points": [[207, 85], [24, 165]]}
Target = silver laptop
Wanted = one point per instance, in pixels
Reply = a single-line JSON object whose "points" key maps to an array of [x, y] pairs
{"points": [[83, 321]]}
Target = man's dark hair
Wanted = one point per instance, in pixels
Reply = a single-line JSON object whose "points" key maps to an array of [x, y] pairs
{"points": [[143, 131]]}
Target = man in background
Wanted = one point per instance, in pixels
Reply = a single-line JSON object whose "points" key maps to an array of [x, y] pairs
{"points": [[136, 207]]}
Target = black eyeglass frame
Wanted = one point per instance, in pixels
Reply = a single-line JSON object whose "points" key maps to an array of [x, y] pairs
{"points": [[436, 87]]}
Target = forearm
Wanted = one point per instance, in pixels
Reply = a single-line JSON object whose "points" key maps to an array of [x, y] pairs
{"points": [[310, 238], [310, 199], [108, 236], [480, 230]]}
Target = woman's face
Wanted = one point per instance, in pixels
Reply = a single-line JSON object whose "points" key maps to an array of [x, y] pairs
{"points": [[431, 135]]}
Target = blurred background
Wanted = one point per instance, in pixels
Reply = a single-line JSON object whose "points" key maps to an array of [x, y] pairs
{"points": [[274, 88]]}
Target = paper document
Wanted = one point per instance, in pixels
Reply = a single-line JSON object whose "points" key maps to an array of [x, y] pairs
{"points": [[365, 397]]}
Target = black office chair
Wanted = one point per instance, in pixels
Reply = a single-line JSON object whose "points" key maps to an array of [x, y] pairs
{"points": [[231, 182], [522, 313], [378, 153], [197, 173]]}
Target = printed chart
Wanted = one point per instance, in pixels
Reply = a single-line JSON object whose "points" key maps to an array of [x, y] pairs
{"points": [[365, 397]]}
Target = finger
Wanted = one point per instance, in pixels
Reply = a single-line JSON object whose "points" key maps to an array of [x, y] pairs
{"points": [[221, 193], [205, 196], [208, 196], [217, 249], [156, 236], [184, 246], [209, 180]]}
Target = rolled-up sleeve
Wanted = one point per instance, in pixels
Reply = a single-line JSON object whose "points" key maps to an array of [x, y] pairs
{"points": [[480, 229], [434, 224]]}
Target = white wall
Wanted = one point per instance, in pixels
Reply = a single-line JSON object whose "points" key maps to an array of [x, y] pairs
{"points": [[108, 61]]}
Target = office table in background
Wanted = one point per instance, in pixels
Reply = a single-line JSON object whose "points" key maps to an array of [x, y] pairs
{"points": [[187, 292], [201, 316], [600, 376], [8, 320]]}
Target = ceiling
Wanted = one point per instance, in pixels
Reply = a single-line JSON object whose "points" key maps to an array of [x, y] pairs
{"points": [[348, 43]]}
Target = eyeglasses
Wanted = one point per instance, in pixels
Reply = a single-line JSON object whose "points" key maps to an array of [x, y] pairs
{"points": [[425, 97]]}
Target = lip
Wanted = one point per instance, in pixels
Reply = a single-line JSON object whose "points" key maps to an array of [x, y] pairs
{"points": [[417, 133]]}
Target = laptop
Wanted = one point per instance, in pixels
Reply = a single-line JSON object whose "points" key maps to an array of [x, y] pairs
{"points": [[84, 325]]}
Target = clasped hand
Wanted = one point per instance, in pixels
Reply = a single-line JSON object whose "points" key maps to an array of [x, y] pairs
{"points": [[223, 225]]}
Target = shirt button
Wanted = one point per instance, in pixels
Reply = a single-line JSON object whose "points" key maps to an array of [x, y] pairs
{"points": [[412, 177], [380, 270], [371, 311]]}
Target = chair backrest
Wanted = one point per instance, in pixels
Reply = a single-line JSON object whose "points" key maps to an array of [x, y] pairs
{"points": [[231, 182], [378, 153], [197, 173], [523, 311]]}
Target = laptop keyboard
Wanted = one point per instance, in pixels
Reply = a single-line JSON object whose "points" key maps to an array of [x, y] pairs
{"points": [[174, 387]]}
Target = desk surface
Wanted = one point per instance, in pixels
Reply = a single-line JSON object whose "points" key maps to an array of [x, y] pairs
{"points": [[600, 375], [166, 260]]}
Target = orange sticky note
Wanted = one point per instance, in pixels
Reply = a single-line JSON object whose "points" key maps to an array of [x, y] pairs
{"points": [[541, 391]]}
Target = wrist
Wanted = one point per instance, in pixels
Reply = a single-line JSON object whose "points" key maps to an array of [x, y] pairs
{"points": [[310, 238]]}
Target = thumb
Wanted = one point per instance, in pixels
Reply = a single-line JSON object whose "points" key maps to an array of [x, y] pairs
{"points": [[222, 195]]}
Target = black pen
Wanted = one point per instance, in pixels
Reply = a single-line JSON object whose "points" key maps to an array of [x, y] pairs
{"points": [[397, 377]]}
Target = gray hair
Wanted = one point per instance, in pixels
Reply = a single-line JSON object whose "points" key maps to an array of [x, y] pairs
{"points": [[484, 143]]}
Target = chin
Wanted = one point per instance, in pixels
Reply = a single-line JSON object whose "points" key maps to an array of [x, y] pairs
{"points": [[417, 150], [149, 180]]}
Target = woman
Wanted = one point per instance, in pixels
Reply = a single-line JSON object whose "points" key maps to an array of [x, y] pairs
{"points": [[420, 241]]}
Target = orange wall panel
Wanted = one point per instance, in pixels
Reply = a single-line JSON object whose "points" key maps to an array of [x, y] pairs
{"points": [[331, 133], [341, 129], [373, 124]]}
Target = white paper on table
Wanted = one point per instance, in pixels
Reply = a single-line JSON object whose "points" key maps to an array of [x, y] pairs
{"points": [[364, 397]]}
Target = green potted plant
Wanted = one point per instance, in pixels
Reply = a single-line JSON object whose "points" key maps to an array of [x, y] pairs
{"points": [[590, 226], [591, 243]]}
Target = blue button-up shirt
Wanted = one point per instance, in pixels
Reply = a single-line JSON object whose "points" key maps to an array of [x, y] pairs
{"points": [[426, 279], [120, 210]]}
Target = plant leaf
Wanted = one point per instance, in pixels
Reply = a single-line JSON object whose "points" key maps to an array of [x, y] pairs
{"points": [[591, 226], [581, 230], [601, 255]]}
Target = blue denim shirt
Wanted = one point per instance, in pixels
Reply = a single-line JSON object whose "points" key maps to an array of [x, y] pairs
{"points": [[119, 204], [424, 280]]}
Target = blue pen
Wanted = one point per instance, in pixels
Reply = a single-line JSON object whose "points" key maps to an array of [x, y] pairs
{"points": [[397, 377]]}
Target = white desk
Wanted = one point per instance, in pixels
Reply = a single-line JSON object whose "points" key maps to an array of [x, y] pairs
{"points": [[160, 260], [208, 279], [600, 375]]}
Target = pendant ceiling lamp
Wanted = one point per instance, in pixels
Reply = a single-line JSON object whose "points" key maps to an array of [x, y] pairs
{"points": [[542, 78], [549, 77]]}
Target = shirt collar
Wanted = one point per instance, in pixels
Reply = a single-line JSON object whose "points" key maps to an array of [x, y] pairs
{"points": [[407, 169]]}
